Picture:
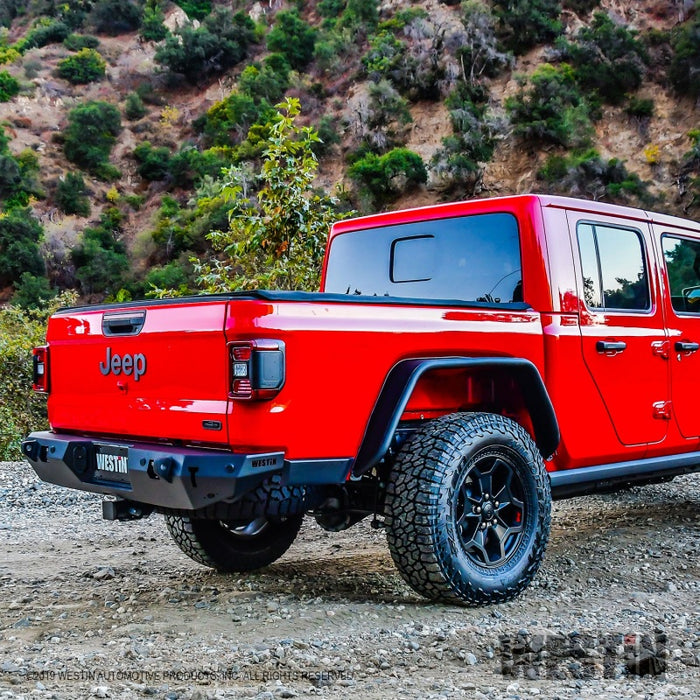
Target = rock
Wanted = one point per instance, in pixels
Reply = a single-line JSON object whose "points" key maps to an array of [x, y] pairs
{"points": [[104, 573]]}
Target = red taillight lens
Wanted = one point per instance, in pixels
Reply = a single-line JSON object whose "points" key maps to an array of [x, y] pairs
{"points": [[257, 369], [40, 380]]}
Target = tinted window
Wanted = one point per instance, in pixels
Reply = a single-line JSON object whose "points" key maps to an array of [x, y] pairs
{"points": [[683, 268], [470, 258], [614, 272]]}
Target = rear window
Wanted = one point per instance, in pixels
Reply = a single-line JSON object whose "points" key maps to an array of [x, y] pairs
{"points": [[470, 258]]}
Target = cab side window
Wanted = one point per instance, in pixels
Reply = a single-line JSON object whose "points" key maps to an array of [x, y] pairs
{"points": [[614, 269], [682, 257]]}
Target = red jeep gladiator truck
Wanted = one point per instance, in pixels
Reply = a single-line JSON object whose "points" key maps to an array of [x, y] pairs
{"points": [[461, 365]]}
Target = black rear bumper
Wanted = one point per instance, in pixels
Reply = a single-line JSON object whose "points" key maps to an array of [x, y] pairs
{"points": [[163, 476]]}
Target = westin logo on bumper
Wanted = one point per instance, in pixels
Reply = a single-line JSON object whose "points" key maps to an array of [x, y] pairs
{"points": [[124, 364]]}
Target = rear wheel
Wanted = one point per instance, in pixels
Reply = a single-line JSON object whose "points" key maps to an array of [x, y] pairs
{"points": [[234, 546], [468, 509]]}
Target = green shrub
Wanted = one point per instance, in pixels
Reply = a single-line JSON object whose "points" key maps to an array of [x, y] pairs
{"points": [[21, 409], [552, 110], [685, 65], [527, 23], [9, 86], [72, 12], [382, 178], [458, 162], [17, 176], [100, 256], [220, 42], [195, 9], [267, 82], [45, 32], [382, 124], [115, 17], [154, 163], [76, 42], [607, 58], [228, 122], [86, 66], [587, 175], [152, 27], [328, 135], [479, 53], [293, 38], [640, 107], [384, 55], [176, 275], [32, 292], [92, 131], [71, 195], [9, 9], [20, 234], [134, 108]]}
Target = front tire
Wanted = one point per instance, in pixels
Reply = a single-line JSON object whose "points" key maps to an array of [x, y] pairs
{"points": [[234, 546], [468, 509]]}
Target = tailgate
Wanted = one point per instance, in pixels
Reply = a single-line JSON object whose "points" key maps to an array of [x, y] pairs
{"points": [[155, 370]]}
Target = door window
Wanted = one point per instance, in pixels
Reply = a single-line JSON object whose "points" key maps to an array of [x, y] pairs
{"points": [[614, 271], [682, 258]]}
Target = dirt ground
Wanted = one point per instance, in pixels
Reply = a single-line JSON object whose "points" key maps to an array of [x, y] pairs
{"points": [[90, 608]]}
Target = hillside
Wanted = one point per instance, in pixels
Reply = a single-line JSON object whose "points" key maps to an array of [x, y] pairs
{"points": [[434, 100]]}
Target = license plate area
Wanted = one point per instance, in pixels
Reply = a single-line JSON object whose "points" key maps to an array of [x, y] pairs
{"points": [[111, 463]]}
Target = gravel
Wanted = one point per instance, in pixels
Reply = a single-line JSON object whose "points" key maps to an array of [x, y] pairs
{"points": [[90, 608]]}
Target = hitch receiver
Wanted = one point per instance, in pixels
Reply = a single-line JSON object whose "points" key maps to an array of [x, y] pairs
{"points": [[122, 509]]}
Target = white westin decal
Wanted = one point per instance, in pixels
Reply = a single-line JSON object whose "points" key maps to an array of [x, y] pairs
{"points": [[112, 463]]}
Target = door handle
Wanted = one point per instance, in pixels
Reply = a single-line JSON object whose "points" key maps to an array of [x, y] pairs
{"points": [[683, 346], [610, 346]]}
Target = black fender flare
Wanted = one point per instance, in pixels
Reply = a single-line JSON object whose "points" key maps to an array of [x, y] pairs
{"points": [[402, 380]]}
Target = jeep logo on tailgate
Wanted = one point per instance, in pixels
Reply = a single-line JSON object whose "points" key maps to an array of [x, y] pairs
{"points": [[126, 364]]}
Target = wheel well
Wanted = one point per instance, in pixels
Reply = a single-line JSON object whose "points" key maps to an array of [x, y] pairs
{"points": [[422, 389]]}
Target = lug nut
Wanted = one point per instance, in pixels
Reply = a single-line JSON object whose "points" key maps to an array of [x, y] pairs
{"points": [[477, 509], [496, 504], [486, 496]]}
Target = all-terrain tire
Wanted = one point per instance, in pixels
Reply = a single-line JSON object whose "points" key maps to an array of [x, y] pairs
{"points": [[234, 546], [453, 539]]}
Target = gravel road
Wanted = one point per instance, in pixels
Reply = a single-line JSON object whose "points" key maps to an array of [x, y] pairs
{"points": [[90, 608]]}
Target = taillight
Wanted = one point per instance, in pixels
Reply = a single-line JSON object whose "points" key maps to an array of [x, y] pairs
{"points": [[40, 378], [257, 369]]}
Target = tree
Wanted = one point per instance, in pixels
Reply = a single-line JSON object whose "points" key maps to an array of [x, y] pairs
{"points": [[276, 236], [607, 58], [552, 110], [685, 66], [116, 16], [526, 23], [20, 233], [293, 38], [220, 42], [71, 195], [152, 27], [92, 131]]}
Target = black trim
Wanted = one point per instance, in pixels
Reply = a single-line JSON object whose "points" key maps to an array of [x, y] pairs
{"points": [[303, 472], [404, 376], [304, 297], [610, 477], [160, 475]]}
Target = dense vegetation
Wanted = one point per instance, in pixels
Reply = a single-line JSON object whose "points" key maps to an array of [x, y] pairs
{"points": [[135, 192]]}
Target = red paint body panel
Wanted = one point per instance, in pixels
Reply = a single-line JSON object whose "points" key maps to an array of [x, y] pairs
{"points": [[338, 354], [185, 381]]}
